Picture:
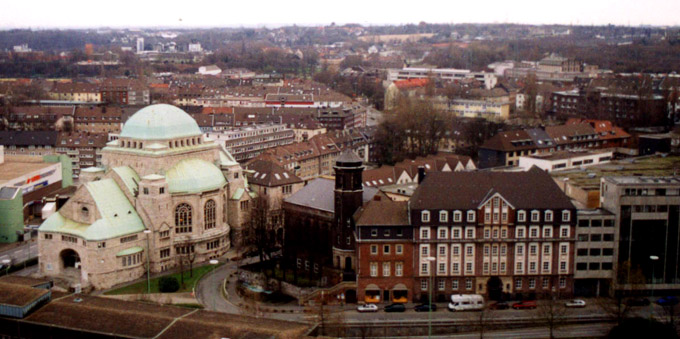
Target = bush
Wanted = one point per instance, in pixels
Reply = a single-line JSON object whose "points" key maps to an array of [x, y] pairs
{"points": [[168, 285]]}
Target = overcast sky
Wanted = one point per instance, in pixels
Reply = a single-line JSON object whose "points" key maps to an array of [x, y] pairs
{"points": [[230, 13]]}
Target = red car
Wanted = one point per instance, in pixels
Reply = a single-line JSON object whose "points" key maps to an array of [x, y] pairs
{"points": [[526, 304]]}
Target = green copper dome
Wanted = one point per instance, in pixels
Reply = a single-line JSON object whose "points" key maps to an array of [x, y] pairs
{"points": [[159, 122], [193, 176]]}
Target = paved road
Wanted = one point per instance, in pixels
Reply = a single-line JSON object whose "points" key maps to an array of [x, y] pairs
{"points": [[571, 331], [20, 253]]}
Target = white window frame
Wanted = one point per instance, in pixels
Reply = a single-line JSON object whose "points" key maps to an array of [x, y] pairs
{"points": [[537, 231], [439, 233], [467, 232], [443, 216], [566, 215], [520, 232], [457, 216], [471, 215], [425, 216], [374, 249], [562, 229], [521, 216], [547, 232], [386, 269], [424, 233], [535, 216], [548, 215], [399, 249], [460, 233], [374, 269], [399, 269]]}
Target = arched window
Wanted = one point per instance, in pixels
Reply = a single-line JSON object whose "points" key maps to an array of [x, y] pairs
{"points": [[170, 144], [209, 214], [183, 218]]}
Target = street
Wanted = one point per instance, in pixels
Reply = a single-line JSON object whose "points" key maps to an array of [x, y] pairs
{"points": [[21, 253]]}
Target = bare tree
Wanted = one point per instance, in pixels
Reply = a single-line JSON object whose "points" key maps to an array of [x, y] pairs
{"points": [[552, 313], [482, 319]]}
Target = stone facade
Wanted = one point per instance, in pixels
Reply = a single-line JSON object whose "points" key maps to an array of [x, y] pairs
{"points": [[185, 192]]}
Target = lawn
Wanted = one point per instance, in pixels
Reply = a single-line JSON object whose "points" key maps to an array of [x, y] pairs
{"points": [[189, 282]]}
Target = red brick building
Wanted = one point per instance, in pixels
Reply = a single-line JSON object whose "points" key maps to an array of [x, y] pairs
{"points": [[384, 241], [491, 233]]}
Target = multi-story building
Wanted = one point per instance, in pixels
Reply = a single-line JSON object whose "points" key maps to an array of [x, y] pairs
{"points": [[623, 108], [594, 259], [245, 143], [566, 160], [100, 119], [647, 231], [384, 240], [446, 74], [84, 149], [38, 118], [36, 143], [505, 148], [124, 91], [492, 232], [80, 92], [486, 109]]}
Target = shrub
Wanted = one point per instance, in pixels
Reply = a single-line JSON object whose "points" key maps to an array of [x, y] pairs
{"points": [[168, 285]]}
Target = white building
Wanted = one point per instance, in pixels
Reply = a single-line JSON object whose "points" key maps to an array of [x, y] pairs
{"points": [[195, 47], [209, 70], [565, 160], [140, 45], [448, 74]]}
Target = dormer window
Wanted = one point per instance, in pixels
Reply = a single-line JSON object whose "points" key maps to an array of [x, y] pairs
{"points": [[521, 216], [443, 216], [534, 216], [85, 212], [471, 216], [457, 216], [425, 216], [566, 215], [548, 215]]}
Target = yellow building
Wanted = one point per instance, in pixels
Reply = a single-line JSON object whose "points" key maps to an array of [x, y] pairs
{"points": [[487, 109]]}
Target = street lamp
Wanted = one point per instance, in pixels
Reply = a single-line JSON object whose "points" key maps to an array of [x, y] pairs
{"points": [[148, 268], [653, 258], [214, 263], [431, 260]]}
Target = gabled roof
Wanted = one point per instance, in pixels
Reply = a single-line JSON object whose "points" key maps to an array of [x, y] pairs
{"points": [[510, 141], [466, 190], [118, 216], [383, 212], [269, 174]]}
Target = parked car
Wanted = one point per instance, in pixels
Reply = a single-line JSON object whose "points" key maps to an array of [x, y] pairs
{"points": [[425, 307], [395, 308], [637, 302], [466, 302], [499, 305], [575, 303], [526, 304], [668, 301], [367, 308]]}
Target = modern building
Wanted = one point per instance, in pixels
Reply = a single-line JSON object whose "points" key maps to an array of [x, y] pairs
{"points": [[447, 74], [565, 160], [163, 195], [594, 260], [84, 149], [245, 143], [647, 231], [489, 110]]}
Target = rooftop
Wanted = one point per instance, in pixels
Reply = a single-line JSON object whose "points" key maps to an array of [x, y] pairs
{"points": [[644, 166]]}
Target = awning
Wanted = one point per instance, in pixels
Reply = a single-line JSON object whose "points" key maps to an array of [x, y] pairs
{"points": [[399, 287], [131, 250], [372, 287]]}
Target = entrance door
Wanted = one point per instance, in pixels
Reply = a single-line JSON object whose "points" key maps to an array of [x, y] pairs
{"points": [[386, 296]]}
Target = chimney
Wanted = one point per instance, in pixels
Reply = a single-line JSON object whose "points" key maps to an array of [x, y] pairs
{"points": [[421, 174]]}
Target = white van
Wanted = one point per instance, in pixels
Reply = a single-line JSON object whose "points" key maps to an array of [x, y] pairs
{"points": [[466, 302]]}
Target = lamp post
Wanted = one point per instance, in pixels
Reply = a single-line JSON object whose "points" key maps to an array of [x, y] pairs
{"points": [[431, 261], [653, 258], [148, 268], [214, 263]]}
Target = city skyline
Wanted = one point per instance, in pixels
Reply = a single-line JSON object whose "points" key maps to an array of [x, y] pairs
{"points": [[174, 14]]}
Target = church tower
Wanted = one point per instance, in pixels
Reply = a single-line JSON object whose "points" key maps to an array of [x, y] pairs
{"points": [[348, 198]]}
